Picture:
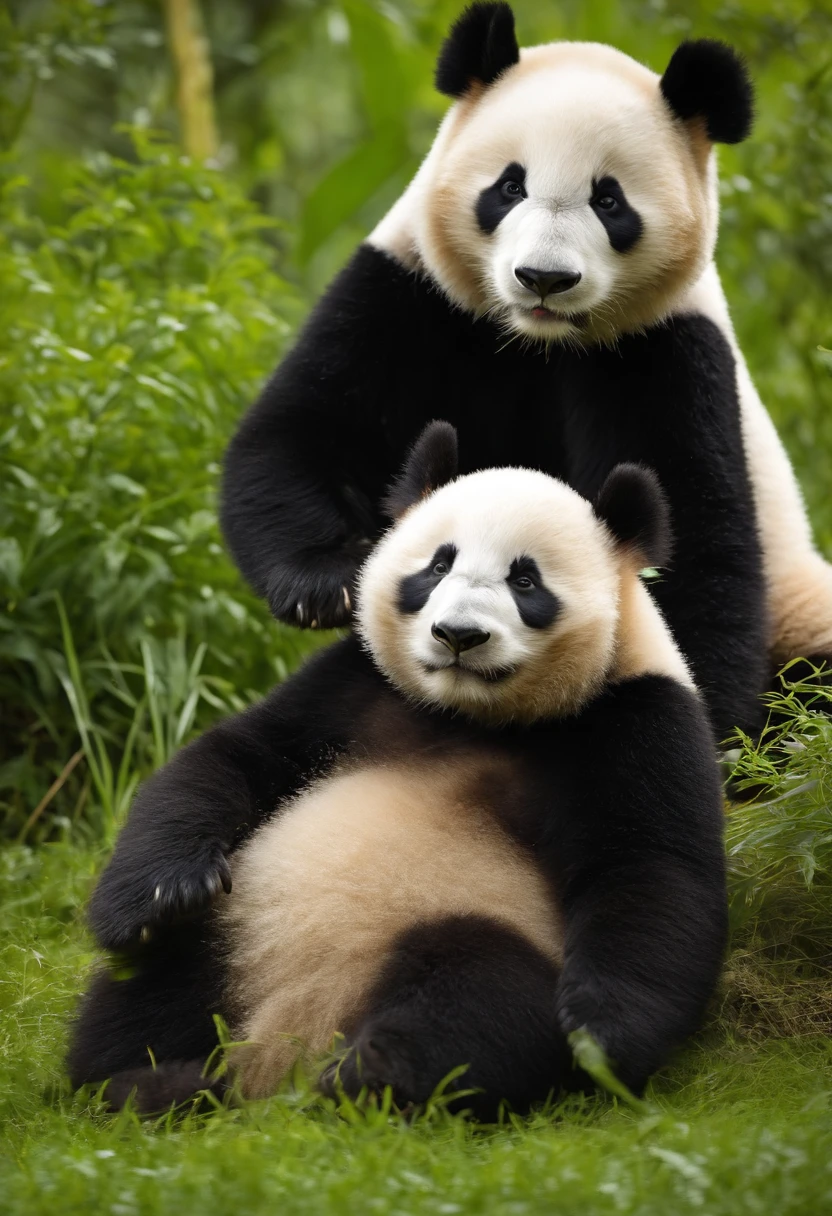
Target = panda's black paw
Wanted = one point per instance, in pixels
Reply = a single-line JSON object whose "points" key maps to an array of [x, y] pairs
{"points": [[320, 595], [377, 1059], [582, 1003], [614, 1022], [155, 1090], [131, 903]]}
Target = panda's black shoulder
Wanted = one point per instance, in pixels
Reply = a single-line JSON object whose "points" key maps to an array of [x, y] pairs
{"points": [[387, 297], [332, 691]]}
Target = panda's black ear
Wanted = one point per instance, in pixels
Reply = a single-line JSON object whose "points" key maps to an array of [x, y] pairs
{"points": [[431, 462], [633, 506], [480, 46], [708, 80]]}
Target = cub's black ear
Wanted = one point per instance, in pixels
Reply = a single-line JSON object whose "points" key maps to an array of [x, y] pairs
{"points": [[633, 506], [707, 79], [480, 46], [431, 462]]}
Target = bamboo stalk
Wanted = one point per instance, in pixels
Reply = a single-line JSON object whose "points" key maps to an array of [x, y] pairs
{"points": [[191, 57]]}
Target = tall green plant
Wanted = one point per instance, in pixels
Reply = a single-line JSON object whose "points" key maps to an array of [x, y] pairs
{"points": [[133, 332]]}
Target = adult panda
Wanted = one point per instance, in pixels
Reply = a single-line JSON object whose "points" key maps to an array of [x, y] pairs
{"points": [[494, 819], [546, 283]]}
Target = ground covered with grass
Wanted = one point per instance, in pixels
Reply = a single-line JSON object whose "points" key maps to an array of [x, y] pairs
{"points": [[740, 1122]]}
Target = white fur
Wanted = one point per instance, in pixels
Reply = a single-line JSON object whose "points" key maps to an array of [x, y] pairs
{"points": [[570, 113], [321, 893], [492, 518]]}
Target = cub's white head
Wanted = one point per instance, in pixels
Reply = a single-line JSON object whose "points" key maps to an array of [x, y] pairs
{"points": [[505, 594], [570, 191]]}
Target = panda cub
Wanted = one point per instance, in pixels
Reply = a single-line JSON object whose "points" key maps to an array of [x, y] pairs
{"points": [[492, 818]]}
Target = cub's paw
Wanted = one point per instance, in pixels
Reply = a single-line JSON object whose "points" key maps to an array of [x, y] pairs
{"points": [[128, 907], [625, 1031], [581, 1003], [376, 1059]]}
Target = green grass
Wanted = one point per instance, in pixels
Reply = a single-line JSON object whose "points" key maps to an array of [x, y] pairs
{"points": [[734, 1127], [739, 1122]]}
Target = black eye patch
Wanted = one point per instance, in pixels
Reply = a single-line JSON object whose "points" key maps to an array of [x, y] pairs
{"points": [[495, 202], [622, 222], [415, 589], [536, 604]]}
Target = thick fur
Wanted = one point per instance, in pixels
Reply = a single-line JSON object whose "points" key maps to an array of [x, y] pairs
{"points": [[480, 46], [632, 845], [313, 458], [708, 80]]}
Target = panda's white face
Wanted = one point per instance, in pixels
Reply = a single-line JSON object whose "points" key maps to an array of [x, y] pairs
{"points": [[565, 199], [497, 595]]}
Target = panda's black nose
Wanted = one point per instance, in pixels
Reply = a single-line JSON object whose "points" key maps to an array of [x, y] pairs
{"points": [[546, 282], [459, 637]]}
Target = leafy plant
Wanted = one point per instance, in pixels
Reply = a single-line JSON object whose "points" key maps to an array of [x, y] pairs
{"points": [[133, 331]]}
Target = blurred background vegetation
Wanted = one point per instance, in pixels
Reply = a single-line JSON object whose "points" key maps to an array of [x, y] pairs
{"points": [[177, 182]]}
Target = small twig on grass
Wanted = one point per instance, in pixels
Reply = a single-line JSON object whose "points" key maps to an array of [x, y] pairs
{"points": [[50, 794]]}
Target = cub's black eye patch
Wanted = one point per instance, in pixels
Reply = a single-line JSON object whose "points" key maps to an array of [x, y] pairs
{"points": [[622, 222], [536, 604], [495, 202], [415, 589]]}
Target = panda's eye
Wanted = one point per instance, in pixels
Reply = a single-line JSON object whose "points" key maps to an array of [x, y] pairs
{"points": [[440, 569], [512, 190], [606, 202], [522, 583]]}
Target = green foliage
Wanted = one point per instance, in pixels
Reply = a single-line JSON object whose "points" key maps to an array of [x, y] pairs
{"points": [[135, 328], [779, 979]]}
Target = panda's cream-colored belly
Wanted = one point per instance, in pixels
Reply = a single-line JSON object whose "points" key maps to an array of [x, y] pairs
{"points": [[322, 892]]}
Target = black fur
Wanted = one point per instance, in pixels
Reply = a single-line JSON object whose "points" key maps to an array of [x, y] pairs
{"points": [[633, 506], [480, 47], [495, 202], [667, 399], [633, 845], [621, 220], [462, 990], [431, 462], [707, 79], [415, 589], [536, 604], [384, 352]]}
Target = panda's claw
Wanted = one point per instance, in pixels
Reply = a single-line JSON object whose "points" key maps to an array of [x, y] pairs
{"points": [[347, 601]]}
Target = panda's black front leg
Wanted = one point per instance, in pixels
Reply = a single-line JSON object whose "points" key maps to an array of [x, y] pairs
{"points": [[641, 874], [171, 859], [643, 951]]}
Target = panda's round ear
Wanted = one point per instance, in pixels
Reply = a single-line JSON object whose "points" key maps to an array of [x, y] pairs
{"points": [[633, 506], [480, 46], [709, 80], [431, 462]]}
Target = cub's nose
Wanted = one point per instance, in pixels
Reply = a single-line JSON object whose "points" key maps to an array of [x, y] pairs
{"points": [[546, 282], [459, 637]]}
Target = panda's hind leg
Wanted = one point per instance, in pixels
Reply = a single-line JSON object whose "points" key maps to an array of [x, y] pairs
{"points": [[468, 991], [146, 1023]]}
